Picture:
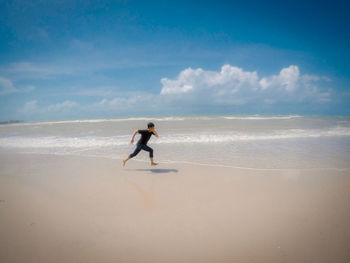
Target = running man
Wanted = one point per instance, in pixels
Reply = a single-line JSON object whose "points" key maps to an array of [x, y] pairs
{"points": [[142, 142]]}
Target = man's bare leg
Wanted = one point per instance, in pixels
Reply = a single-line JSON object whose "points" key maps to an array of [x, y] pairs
{"points": [[124, 161], [152, 162]]}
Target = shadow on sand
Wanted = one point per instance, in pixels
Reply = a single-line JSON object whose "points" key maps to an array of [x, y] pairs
{"points": [[159, 171]]}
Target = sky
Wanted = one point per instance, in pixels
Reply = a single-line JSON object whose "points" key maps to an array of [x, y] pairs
{"points": [[104, 59]]}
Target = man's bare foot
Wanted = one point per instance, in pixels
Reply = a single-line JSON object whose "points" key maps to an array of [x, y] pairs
{"points": [[154, 163], [124, 163]]}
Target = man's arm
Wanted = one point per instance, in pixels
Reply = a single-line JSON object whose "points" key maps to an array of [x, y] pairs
{"points": [[133, 136], [155, 133]]}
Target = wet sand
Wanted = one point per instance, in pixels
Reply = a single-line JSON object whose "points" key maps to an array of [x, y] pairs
{"points": [[61, 208]]}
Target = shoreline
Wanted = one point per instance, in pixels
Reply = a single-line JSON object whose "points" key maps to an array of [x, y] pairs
{"points": [[166, 162]]}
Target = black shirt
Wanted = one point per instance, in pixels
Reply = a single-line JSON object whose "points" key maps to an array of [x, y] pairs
{"points": [[145, 136]]}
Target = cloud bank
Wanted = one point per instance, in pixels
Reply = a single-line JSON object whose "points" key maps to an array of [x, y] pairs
{"points": [[206, 91], [234, 86]]}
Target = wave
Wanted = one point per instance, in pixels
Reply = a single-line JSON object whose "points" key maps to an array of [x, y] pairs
{"points": [[260, 117], [94, 142], [63, 142], [240, 136], [166, 118], [99, 120]]}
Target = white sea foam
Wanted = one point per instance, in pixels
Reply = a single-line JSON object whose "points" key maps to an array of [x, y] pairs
{"points": [[177, 138], [100, 120], [239, 136], [63, 142], [166, 118], [260, 117]]}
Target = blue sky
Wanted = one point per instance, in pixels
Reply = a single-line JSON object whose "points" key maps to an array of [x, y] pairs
{"points": [[98, 59]]}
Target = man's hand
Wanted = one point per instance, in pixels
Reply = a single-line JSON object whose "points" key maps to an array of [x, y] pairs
{"points": [[155, 133], [133, 136]]}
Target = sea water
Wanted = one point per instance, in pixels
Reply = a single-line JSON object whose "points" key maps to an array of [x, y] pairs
{"points": [[245, 141]]}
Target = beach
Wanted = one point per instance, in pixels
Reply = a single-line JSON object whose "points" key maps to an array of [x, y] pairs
{"points": [[64, 208], [230, 188]]}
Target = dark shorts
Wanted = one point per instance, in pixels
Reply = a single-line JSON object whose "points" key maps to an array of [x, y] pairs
{"points": [[140, 147]]}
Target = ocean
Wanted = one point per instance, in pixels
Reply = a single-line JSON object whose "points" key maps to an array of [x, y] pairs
{"points": [[243, 141]]}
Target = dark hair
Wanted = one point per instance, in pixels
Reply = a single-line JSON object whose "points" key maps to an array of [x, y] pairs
{"points": [[150, 125]]}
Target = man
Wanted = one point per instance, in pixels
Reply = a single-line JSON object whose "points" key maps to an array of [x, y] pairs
{"points": [[142, 142]]}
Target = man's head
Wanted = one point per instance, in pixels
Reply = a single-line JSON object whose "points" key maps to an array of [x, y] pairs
{"points": [[150, 126]]}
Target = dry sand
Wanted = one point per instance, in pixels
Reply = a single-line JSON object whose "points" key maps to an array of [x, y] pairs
{"points": [[87, 209]]}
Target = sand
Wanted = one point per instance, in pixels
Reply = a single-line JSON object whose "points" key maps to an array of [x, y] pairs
{"points": [[61, 208]]}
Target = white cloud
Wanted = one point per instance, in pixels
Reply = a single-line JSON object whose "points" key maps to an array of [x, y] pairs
{"points": [[29, 107], [116, 105], [234, 86], [32, 107], [229, 80], [123, 104], [94, 92], [286, 80], [7, 87], [60, 107]]}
